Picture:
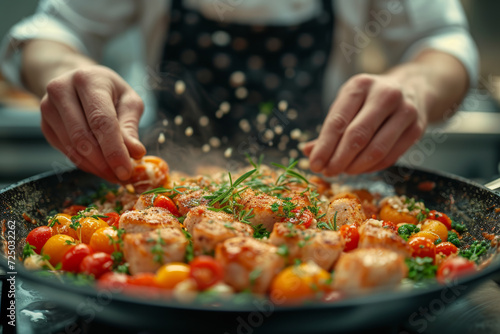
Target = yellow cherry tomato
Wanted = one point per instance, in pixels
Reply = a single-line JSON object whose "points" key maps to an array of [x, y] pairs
{"points": [[426, 234], [299, 282], [88, 226], [169, 275], [61, 225], [56, 247], [388, 213], [437, 227], [104, 240]]}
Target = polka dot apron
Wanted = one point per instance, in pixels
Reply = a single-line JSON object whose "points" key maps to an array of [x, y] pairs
{"points": [[244, 86]]}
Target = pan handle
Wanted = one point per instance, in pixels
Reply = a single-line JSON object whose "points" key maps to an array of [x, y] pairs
{"points": [[493, 185]]}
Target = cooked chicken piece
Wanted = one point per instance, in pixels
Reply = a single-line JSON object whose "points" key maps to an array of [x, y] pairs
{"points": [[372, 234], [319, 246], [144, 202], [147, 251], [248, 263], [208, 228], [147, 220], [261, 206], [348, 210], [189, 200], [368, 268]]}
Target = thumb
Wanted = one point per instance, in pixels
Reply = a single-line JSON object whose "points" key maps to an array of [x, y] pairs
{"points": [[129, 110]]}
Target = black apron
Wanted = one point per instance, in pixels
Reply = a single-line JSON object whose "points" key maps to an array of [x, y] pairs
{"points": [[246, 87]]}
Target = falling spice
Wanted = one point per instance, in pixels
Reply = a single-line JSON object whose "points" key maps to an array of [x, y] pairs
{"points": [[214, 142], [180, 87], [303, 163], [204, 121], [178, 120], [161, 138], [283, 105], [189, 131], [228, 152], [205, 148], [219, 113], [295, 134], [225, 107]]}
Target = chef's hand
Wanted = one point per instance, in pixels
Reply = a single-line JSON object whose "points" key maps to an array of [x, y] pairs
{"points": [[371, 123], [91, 115]]}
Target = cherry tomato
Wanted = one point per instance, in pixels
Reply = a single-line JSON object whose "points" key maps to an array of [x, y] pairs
{"points": [[169, 275], [56, 247], [442, 217], [105, 240], [166, 202], [206, 271], [422, 247], [351, 236], [446, 248], [73, 257], [113, 281], [96, 264], [113, 218], [38, 237], [143, 279], [295, 284], [390, 225], [303, 218], [453, 268], [73, 210], [436, 227], [426, 234], [88, 226], [61, 225], [388, 213]]}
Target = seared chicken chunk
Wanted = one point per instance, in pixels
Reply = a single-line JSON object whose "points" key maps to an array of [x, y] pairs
{"points": [[372, 234], [248, 263], [147, 220], [320, 246], [347, 211], [208, 228], [261, 206], [189, 200], [147, 251], [144, 202], [367, 268]]}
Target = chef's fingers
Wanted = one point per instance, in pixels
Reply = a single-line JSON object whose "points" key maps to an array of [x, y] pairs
{"points": [[409, 137], [345, 107], [96, 94], [384, 141], [129, 109], [382, 100], [72, 126], [308, 147]]}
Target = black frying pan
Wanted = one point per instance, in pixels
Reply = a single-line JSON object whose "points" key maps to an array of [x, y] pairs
{"points": [[463, 200]]}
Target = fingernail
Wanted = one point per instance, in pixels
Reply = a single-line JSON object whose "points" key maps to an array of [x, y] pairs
{"points": [[122, 173], [317, 165]]}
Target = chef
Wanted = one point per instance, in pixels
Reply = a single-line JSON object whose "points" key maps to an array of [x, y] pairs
{"points": [[256, 72]]}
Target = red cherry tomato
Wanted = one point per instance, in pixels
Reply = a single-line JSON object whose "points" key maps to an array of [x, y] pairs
{"points": [[166, 202], [351, 236], [72, 259], [453, 268], [390, 226], [422, 247], [302, 218], [38, 237], [73, 210], [96, 264], [143, 279], [442, 217], [113, 218], [446, 248], [113, 281], [205, 271]]}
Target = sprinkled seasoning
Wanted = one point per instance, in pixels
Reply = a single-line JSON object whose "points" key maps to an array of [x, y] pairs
{"points": [[225, 107], [278, 129], [241, 93], [261, 118], [295, 134], [165, 122], [245, 125], [205, 148], [283, 105], [178, 120], [189, 131], [214, 142], [228, 152], [292, 114], [303, 163], [204, 120], [161, 138], [180, 87]]}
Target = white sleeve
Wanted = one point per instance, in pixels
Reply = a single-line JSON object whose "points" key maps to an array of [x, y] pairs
{"points": [[413, 26], [85, 25]]}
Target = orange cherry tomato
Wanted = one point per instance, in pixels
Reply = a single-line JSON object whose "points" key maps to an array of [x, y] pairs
{"points": [[143, 279], [57, 246], [113, 281], [442, 217], [38, 237], [446, 248], [302, 218], [96, 264], [74, 209], [73, 257], [169, 275], [61, 225], [350, 234], [422, 247], [88, 226], [206, 271], [166, 202], [388, 213], [436, 227], [425, 234], [112, 218], [453, 268], [105, 240]]}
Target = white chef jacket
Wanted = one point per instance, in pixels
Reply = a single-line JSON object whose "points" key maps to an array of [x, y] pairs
{"points": [[402, 27]]}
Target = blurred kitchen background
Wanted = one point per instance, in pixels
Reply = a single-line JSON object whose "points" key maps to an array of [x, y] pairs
{"points": [[467, 145]]}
